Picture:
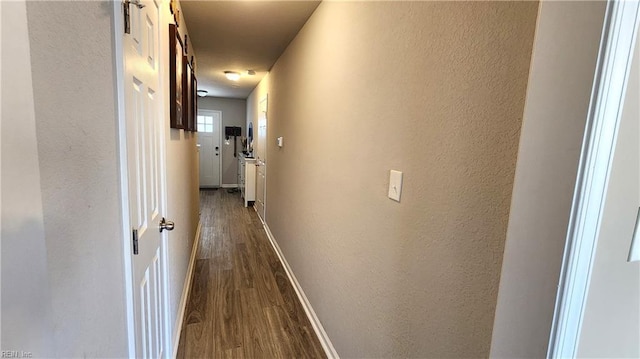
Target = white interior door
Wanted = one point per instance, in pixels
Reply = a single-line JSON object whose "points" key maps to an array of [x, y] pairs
{"points": [[145, 167], [261, 161], [209, 123]]}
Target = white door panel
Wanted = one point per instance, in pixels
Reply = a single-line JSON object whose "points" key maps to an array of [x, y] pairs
{"points": [[261, 161], [145, 168], [209, 129]]}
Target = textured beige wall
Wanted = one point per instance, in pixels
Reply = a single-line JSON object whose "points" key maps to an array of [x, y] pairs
{"points": [[75, 103], [183, 201], [26, 299], [183, 207], [436, 90], [76, 123], [611, 323], [234, 113], [562, 71], [253, 106]]}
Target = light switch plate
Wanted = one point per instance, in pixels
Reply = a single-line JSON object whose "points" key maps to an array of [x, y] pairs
{"points": [[395, 185]]}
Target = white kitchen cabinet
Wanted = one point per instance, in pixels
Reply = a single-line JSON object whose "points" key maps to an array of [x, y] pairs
{"points": [[247, 179]]}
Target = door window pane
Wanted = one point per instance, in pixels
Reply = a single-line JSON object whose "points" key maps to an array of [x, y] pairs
{"points": [[205, 124]]}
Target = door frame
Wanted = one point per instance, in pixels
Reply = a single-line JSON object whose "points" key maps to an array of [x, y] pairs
{"points": [[204, 112], [264, 99], [118, 23], [605, 109]]}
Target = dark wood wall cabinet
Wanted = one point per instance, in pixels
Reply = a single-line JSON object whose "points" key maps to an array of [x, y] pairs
{"points": [[191, 98], [182, 84]]}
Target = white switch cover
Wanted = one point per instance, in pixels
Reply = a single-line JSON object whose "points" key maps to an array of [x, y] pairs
{"points": [[280, 141], [395, 185]]}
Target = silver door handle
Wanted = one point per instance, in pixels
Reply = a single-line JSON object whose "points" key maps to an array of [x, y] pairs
{"points": [[168, 225]]}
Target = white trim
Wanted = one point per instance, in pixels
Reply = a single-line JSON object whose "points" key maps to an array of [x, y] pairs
{"points": [[329, 350], [229, 186], [614, 62], [185, 292], [123, 181]]}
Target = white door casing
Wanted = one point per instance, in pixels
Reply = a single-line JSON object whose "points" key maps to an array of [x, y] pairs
{"points": [[612, 73], [261, 161], [144, 176], [209, 148]]}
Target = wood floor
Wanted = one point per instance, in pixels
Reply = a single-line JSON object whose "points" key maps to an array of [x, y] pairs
{"points": [[241, 303]]}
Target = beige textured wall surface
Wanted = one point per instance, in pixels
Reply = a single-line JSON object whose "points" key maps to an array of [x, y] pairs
{"points": [[558, 94], [433, 89], [26, 298], [183, 207], [253, 106], [234, 113], [611, 322], [75, 102], [183, 201], [74, 78]]}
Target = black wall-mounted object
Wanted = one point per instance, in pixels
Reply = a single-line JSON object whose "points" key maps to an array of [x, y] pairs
{"points": [[232, 131], [235, 132]]}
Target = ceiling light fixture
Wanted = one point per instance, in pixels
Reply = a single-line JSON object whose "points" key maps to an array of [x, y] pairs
{"points": [[251, 72], [232, 75], [202, 93]]}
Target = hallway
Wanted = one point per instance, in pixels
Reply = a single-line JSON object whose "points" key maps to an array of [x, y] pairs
{"points": [[241, 303]]}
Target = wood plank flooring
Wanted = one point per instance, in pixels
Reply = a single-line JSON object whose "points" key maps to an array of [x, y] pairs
{"points": [[241, 303]]}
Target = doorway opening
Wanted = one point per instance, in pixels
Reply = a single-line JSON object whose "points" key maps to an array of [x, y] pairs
{"points": [[209, 124]]}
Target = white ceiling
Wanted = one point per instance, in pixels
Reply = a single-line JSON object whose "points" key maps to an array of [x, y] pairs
{"points": [[238, 36]]}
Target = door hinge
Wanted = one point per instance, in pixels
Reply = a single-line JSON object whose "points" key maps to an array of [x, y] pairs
{"points": [[135, 241], [127, 13], [127, 17]]}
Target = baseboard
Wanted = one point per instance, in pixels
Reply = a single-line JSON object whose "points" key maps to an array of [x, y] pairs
{"points": [[329, 350], [185, 292], [228, 185]]}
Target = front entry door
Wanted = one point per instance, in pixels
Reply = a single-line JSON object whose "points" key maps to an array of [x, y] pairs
{"points": [[209, 148], [261, 161], [145, 166]]}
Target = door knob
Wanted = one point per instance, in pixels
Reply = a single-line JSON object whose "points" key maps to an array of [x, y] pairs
{"points": [[168, 225]]}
